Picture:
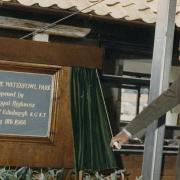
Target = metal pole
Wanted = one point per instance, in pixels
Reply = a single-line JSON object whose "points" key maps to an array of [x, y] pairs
{"points": [[162, 55]]}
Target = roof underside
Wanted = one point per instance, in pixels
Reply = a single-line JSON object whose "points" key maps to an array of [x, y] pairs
{"points": [[145, 10]]}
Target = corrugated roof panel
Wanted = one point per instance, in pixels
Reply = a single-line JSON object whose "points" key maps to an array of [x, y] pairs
{"points": [[133, 13], [148, 16], [125, 3], [177, 21], [144, 10], [62, 4], [111, 2], [82, 4], [28, 2], [177, 9], [153, 5], [117, 11], [178, 3], [141, 4], [102, 9]]}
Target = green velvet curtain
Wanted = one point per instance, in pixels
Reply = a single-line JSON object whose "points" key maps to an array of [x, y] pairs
{"points": [[90, 122]]}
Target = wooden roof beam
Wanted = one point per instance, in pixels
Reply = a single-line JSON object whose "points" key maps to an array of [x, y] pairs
{"points": [[57, 54], [31, 25]]}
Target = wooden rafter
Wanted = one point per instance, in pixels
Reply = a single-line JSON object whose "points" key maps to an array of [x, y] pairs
{"points": [[31, 25]]}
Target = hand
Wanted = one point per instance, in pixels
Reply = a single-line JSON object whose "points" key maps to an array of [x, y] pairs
{"points": [[119, 139]]}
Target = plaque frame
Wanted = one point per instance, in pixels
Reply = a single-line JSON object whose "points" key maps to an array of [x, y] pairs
{"points": [[55, 71], [45, 57]]}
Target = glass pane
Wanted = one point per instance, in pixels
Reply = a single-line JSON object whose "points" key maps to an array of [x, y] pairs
{"points": [[143, 99], [128, 104]]}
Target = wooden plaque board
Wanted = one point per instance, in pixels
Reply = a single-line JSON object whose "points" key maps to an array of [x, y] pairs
{"points": [[26, 61], [53, 150]]}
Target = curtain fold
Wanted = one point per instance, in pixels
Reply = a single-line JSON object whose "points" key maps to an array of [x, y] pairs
{"points": [[91, 131]]}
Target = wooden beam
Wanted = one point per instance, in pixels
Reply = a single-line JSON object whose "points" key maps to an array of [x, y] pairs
{"points": [[161, 64], [28, 51], [117, 81], [31, 25]]}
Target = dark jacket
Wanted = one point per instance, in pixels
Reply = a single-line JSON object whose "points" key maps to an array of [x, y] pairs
{"points": [[166, 101]]}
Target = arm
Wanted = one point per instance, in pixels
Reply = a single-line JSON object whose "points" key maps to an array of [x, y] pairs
{"points": [[166, 101]]}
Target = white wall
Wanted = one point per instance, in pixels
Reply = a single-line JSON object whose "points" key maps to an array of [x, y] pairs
{"points": [[141, 66]]}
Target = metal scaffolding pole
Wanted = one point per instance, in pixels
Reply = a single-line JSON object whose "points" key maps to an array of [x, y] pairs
{"points": [[162, 56]]}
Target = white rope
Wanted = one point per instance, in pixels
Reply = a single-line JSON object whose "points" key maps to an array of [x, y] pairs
{"points": [[44, 28], [104, 104]]}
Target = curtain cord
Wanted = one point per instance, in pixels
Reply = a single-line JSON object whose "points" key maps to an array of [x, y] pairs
{"points": [[104, 103]]}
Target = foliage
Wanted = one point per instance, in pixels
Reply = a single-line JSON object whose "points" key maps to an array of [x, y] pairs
{"points": [[25, 173], [139, 178], [98, 176]]}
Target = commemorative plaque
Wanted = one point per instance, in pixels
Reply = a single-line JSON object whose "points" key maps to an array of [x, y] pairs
{"points": [[25, 103], [35, 104]]}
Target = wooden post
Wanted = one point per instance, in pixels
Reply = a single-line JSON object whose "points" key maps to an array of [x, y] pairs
{"points": [[162, 55]]}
